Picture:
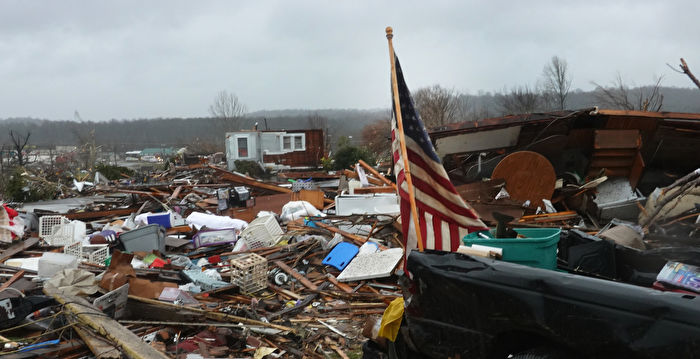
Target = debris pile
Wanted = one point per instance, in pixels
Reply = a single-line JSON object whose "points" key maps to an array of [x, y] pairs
{"points": [[200, 262]]}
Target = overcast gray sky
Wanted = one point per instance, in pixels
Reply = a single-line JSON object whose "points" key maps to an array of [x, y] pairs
{"points": [[143, 59]]}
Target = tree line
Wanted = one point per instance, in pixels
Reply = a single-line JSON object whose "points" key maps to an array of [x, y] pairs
{"points": [[552, 91]]}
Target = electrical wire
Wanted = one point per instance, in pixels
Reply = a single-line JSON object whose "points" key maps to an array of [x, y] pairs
{"points": [[15, 289], [40, 335], [29, 323]]}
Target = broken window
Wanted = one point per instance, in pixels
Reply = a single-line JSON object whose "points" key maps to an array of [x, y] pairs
{"points": [[293, 142], [242, 147]]}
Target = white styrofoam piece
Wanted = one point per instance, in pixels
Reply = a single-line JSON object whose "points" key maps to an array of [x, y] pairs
{"points": [[51, 263], [372, 265], [79, 230], [488, 248], [378, 203], [31, 263]]}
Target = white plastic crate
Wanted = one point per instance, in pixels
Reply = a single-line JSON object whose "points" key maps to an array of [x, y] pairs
{"points": [[74, 249], [262, 232], [94, 253], [47, 224], [56, 230], [249, 273]]}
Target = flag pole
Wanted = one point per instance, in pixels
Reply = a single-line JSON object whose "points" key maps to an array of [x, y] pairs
{"points": [[402, 139]]}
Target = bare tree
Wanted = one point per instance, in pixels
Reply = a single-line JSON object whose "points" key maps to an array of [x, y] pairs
{"points": [[19, 142], [519, 100], [557, 81], [436, 105], [620, 95], [228, 109], [377, 137], [316, 121], [87, 145], [685, 69], [2, 159], [463, 107]]}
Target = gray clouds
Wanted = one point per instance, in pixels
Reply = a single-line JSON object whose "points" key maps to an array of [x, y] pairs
{"points": [[129, 59]]}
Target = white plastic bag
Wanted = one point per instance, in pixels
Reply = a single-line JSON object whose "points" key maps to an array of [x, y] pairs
{"points": [[299, 209]]}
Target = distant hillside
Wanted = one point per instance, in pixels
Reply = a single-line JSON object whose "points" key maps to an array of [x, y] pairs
{"points": [[136, 134]]}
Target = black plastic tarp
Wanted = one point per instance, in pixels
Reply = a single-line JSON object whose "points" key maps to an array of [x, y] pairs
{"points": [[476, 307]]}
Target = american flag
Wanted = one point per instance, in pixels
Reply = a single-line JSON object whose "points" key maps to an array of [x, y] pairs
{"points": [[443, 216]]}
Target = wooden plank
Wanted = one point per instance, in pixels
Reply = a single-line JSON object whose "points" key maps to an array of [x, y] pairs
{"points": [[101, 348], [178, 229], [141, 193], [130, 344], [615, 153], [600, 162], [213, 315], [100, 214], [315, 197], [636, 170], [176, 193], [283, 291], [273, 203], [12, 279], [232, 177], [355, 238], [342, 286], [300, 306], [303, 280], [377, 174], [659, 115], [605, 139], [339, 351], [159, 192], [17, 248], [353, 174], [549, 217]]}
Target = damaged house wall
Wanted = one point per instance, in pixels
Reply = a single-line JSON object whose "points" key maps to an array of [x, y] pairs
{"points": [[669, 141], [294, 148]]}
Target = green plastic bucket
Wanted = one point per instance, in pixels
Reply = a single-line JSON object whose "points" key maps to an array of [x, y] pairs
{"points": [[537, 249]]}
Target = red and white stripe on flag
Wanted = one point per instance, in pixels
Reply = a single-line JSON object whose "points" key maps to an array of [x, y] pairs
{"points": [[443, 216]]}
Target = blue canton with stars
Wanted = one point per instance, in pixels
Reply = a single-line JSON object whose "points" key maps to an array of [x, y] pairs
{"points": [[413, 126]]}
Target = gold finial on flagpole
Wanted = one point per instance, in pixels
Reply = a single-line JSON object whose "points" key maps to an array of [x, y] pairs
{"points": [[389, 32]]}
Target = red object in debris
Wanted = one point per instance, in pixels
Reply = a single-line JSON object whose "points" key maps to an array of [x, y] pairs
{"points": [[214, 259], [206, 337], [158, 263], [666, 288], [10, 212]]}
